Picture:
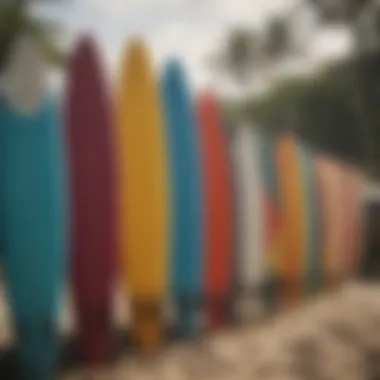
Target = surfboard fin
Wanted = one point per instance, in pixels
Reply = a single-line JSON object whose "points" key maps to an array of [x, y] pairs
{"points": [[147, 325]]}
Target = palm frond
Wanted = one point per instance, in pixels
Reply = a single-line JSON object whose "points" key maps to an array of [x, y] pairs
{"points": [[15, 20]]}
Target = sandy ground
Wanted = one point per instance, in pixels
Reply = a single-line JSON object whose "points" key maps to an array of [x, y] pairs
{"points": [[334, 336]]}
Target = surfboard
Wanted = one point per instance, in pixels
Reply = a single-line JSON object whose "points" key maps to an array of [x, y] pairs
{"points": [[352, 211], [33, 202], [144, 213], [293, 217], [330, 190], [233, 309], [272, 219], [186, 272], [91, 161], [218, 211], [348, 213], [360, 223], [251, 260], [313, 265]]}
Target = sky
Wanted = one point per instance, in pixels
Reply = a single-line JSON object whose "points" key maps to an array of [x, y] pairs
{"points": [[190, 30]]}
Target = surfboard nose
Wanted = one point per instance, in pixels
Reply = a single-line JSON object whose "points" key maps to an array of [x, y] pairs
{"points": [[136, 68], [137, 53], [85, 60], [207, 103], [173, 70], [23, 78], [85, 48]]}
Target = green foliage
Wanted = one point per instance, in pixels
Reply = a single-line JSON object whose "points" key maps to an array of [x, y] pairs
{"points": [[246, 52], [238, 57], [277, 40], [332, 11], [321, 110], [15, 19], [336, 110]]}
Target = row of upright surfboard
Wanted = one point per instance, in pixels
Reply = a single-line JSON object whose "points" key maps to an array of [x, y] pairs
{"points": [[148, 188]]}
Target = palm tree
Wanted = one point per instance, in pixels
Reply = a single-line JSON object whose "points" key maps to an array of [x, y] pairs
{"points": [[362, 17], [238, 57], [15, 19], [277, 43], [246, 52], [341, 11]]}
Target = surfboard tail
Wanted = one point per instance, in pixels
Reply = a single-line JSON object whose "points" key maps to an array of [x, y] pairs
{"points": [[147, 324], [37, 357], [94, 329], [291, 294], [186, 324], [96, 343], [218, 312]]}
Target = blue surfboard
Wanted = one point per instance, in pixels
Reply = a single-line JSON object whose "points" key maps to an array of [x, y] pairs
{"points": [[313, 254], [33, 219], [187, 243]]}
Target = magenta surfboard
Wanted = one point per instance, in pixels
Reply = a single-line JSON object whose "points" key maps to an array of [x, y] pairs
{"points": [[91, 164]]}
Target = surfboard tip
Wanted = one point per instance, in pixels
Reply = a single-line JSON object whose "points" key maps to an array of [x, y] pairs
{"points": [[85, 51], [86, 42], [23, 81], [136, 63], [173, 67], [137, 48]]}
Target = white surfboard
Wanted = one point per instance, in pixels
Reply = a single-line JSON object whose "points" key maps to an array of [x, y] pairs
{"points": [[23, 81], [249, 198]]}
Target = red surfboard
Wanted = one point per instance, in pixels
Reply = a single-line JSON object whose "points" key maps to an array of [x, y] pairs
{"points": [[88, 128], [218, 268]]}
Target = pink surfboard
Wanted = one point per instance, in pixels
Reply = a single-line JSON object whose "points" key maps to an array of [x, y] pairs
{"points": [[330, 186], [88, 128], [353, 221]]}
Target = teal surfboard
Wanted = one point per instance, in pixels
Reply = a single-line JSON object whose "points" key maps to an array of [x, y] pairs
{"points": [[186, 272], [272, 219], [33, 211], [313, 255]]}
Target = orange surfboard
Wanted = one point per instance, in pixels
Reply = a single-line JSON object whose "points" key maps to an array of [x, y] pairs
{"points": [[294, 223]]}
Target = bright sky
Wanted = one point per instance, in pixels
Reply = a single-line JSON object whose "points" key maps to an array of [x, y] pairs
{"points": [[188, 29]]}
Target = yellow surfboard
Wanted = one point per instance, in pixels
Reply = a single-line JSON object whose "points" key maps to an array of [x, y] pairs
{"points": [[294, 223], [143, 199]]}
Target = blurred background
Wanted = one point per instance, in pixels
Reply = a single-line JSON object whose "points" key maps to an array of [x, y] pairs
{"points": [[311, 66]]}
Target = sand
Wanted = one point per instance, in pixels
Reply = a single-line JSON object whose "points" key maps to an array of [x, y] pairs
{"points": [[336, 335]]}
